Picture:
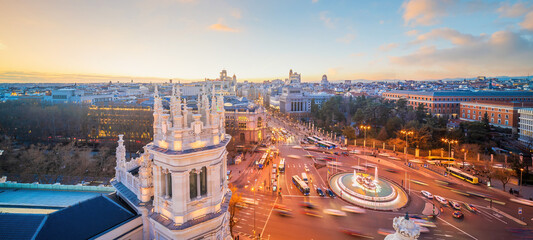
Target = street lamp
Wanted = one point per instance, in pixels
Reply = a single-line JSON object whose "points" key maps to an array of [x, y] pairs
{"points": [[406, 133], [365, 127], [254, 210], [449, 141], [521, 171]]}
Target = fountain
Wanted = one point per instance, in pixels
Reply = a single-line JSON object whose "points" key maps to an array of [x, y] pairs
{"points": [[368, 191]]}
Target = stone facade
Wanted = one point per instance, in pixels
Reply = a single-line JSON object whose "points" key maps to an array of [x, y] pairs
{"points": [[179, 184]]}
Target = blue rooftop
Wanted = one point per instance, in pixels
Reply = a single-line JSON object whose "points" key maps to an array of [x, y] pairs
{"points": [[28, 197]]}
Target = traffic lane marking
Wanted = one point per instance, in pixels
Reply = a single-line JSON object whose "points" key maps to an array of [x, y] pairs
{"points": [[456, 228]]}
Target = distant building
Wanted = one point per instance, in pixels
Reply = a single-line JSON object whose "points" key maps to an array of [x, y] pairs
{"points": [[324, 80], [499, 113], [78, 96], [442, 103], [245, 122], [294, 78], [526, 127]]}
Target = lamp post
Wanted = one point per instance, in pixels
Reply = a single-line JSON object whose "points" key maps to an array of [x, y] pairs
{"points": [[254, 210], [364, 127], [449, 141], [406, 133], [521, 171]]}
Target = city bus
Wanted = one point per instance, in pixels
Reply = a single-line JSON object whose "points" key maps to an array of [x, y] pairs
{"points": [[331, 144], [301, 185], [262, 161], [312, 140], [324, 144], [462, 175], [317, 138], [441, 160], [281, 166]]}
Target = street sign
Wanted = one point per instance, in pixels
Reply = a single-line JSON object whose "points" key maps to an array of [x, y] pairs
{"points": [[520, 211]]}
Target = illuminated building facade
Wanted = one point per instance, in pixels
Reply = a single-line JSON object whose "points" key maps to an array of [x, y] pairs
{"points": [[179, 183], [105, 123], [446, 103], [246, 123]]}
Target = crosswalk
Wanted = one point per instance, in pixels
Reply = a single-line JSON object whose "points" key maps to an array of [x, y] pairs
{"points": [[252, 217]]}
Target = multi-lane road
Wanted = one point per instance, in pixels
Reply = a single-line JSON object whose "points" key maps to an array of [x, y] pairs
{"points": [[490, 222]]}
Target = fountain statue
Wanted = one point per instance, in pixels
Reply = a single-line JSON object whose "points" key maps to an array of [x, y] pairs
{"points": [[405, 228], [366, 182]]}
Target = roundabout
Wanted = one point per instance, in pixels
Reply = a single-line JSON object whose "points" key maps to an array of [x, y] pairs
{"points": [[366, 191]]}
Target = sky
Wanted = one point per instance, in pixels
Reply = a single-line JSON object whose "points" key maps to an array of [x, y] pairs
{"points": [[185, 40]]}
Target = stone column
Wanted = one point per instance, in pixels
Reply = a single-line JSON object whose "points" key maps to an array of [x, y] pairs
{"points": [[167, 185]]}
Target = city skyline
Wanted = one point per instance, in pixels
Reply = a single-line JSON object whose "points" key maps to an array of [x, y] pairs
{"points": [[189, 40]]}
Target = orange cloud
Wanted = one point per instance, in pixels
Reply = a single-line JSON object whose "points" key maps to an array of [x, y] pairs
{"points": [[528, 22], [221, 27], [449, 34], [425, 12]]}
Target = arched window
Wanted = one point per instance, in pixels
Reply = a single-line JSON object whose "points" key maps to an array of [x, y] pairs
{"points": [[193, 185], [259, 122], [203, 181]]}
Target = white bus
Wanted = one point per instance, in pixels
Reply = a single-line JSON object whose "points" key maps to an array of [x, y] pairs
{"points": [[281, 166], [304, 177]]}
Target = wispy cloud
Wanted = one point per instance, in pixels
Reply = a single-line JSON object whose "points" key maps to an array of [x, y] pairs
{"points": [[2, 46], [503, 53], [381, 22], [328, 22], [348, 38], [425, 12], [314, 1], [449, 34], [413, 32], [333, 71], [222, 27], [513, 11], [528, 22], [388, 47]]}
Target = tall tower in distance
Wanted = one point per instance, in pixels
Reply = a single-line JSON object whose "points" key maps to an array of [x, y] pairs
{"points": [[179, 182]]}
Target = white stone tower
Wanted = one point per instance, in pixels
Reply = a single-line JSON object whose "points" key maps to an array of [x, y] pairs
{"points": [[180, 180]]}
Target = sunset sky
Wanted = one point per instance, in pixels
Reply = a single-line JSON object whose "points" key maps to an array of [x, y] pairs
{"points": [[70, 40]]}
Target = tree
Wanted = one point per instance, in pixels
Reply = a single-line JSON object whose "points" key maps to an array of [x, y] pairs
{"points": [[383, 135], [236, 198], [349, 132], [503, 175]]}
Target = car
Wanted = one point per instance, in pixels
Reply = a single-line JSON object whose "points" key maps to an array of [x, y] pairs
{"points": [[306, 168], [330, 193], [307, 205], [424, 223], [458, 214], [427, 194], [455, 205], [353, 209], [319, 192], [284, 212], [311, 212], [470, 207], [441, 200], [335, 212]]}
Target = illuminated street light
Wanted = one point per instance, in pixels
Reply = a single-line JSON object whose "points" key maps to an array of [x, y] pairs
{"points": [[406, 133], [364, 127], [450, 142]]}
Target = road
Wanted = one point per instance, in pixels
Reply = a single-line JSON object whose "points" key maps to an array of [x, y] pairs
{"points": [[486, 224]]}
